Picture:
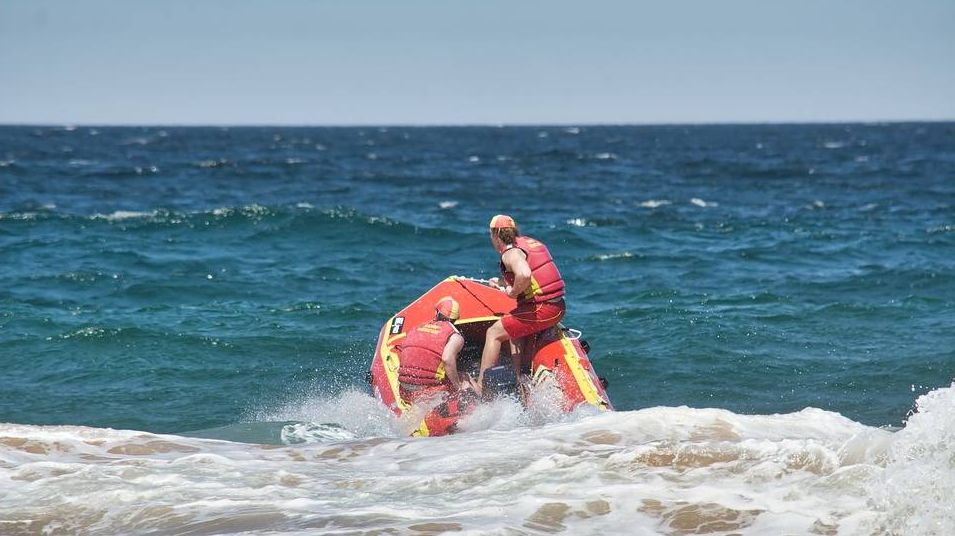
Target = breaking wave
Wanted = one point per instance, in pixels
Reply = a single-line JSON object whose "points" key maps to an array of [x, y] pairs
{"points": [[673, 470]]}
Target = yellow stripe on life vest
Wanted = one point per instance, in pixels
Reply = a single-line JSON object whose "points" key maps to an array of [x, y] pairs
{"points": [[533, 289], [584, 382]]}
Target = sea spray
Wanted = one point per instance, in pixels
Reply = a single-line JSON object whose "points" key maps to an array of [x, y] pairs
{"points": [[351, 410], [916, 491]]}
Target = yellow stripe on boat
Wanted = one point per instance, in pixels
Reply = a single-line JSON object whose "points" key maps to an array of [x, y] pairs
{"points": [[422, 431], [390, 359], [477, 319], [584, 381]]}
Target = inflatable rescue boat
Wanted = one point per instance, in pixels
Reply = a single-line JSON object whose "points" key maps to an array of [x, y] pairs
{"points": [[559, 360]]}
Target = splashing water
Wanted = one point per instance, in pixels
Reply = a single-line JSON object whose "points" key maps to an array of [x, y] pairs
{"points": [[916, 490]]}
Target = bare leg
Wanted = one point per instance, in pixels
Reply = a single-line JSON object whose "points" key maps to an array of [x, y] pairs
{"points": [[492, 349], [528, 349], [517, 355]]}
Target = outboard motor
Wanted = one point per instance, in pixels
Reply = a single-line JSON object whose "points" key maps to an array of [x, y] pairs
{"points": [[500, 381]]}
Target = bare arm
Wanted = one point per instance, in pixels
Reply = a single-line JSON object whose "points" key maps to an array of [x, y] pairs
{"points": [[450, 358], [516, 262]]}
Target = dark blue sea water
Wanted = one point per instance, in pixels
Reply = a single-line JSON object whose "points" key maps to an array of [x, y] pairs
{"points": [[767, 303], [173, 279]]}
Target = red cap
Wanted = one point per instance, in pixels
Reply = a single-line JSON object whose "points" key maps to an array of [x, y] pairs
{"points": [[448, 307], [501, 221]]}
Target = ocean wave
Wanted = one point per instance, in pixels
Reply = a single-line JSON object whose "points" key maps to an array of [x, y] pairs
{"points": [[121, 215], [299, 214], [118, 171], [21, 216], [614, 256], [89, 332], [582, 221], [658, 470]]}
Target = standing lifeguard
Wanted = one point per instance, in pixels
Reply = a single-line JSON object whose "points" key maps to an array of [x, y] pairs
{"points": [[530, 277]]}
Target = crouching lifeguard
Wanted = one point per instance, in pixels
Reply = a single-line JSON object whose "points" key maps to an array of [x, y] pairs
{"points": [[429, 354]]}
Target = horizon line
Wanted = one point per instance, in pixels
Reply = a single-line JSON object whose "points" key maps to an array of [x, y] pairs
{"points": [[68, 124]]}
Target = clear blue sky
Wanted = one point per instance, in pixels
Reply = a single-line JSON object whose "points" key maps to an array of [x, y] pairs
{"points": [[478, 62]]}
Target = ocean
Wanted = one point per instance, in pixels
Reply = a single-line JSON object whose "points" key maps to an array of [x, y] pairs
{"points": [[187, 316]]}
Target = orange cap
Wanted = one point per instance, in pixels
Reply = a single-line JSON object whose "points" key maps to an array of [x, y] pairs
{"points": [[448, 307], [501, 221]]}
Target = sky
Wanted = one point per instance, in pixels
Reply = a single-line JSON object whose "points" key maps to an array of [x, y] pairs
{"points": [[451, 62]]}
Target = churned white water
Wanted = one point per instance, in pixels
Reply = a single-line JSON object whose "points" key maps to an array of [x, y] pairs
{"points": [[661, 470]]}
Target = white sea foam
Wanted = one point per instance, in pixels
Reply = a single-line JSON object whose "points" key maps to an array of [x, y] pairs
{"points": [[212, 163], [664, 470], [121, 215], [23, 216], [252, 211], [942, 229], [444, 205], [654, 203], [701, 203], [139, 140], [87, 332], [302, 432], [612, 256]]}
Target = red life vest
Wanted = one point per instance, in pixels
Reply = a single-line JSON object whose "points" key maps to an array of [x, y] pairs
{"points": [[420, 353], [546, 283]]}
